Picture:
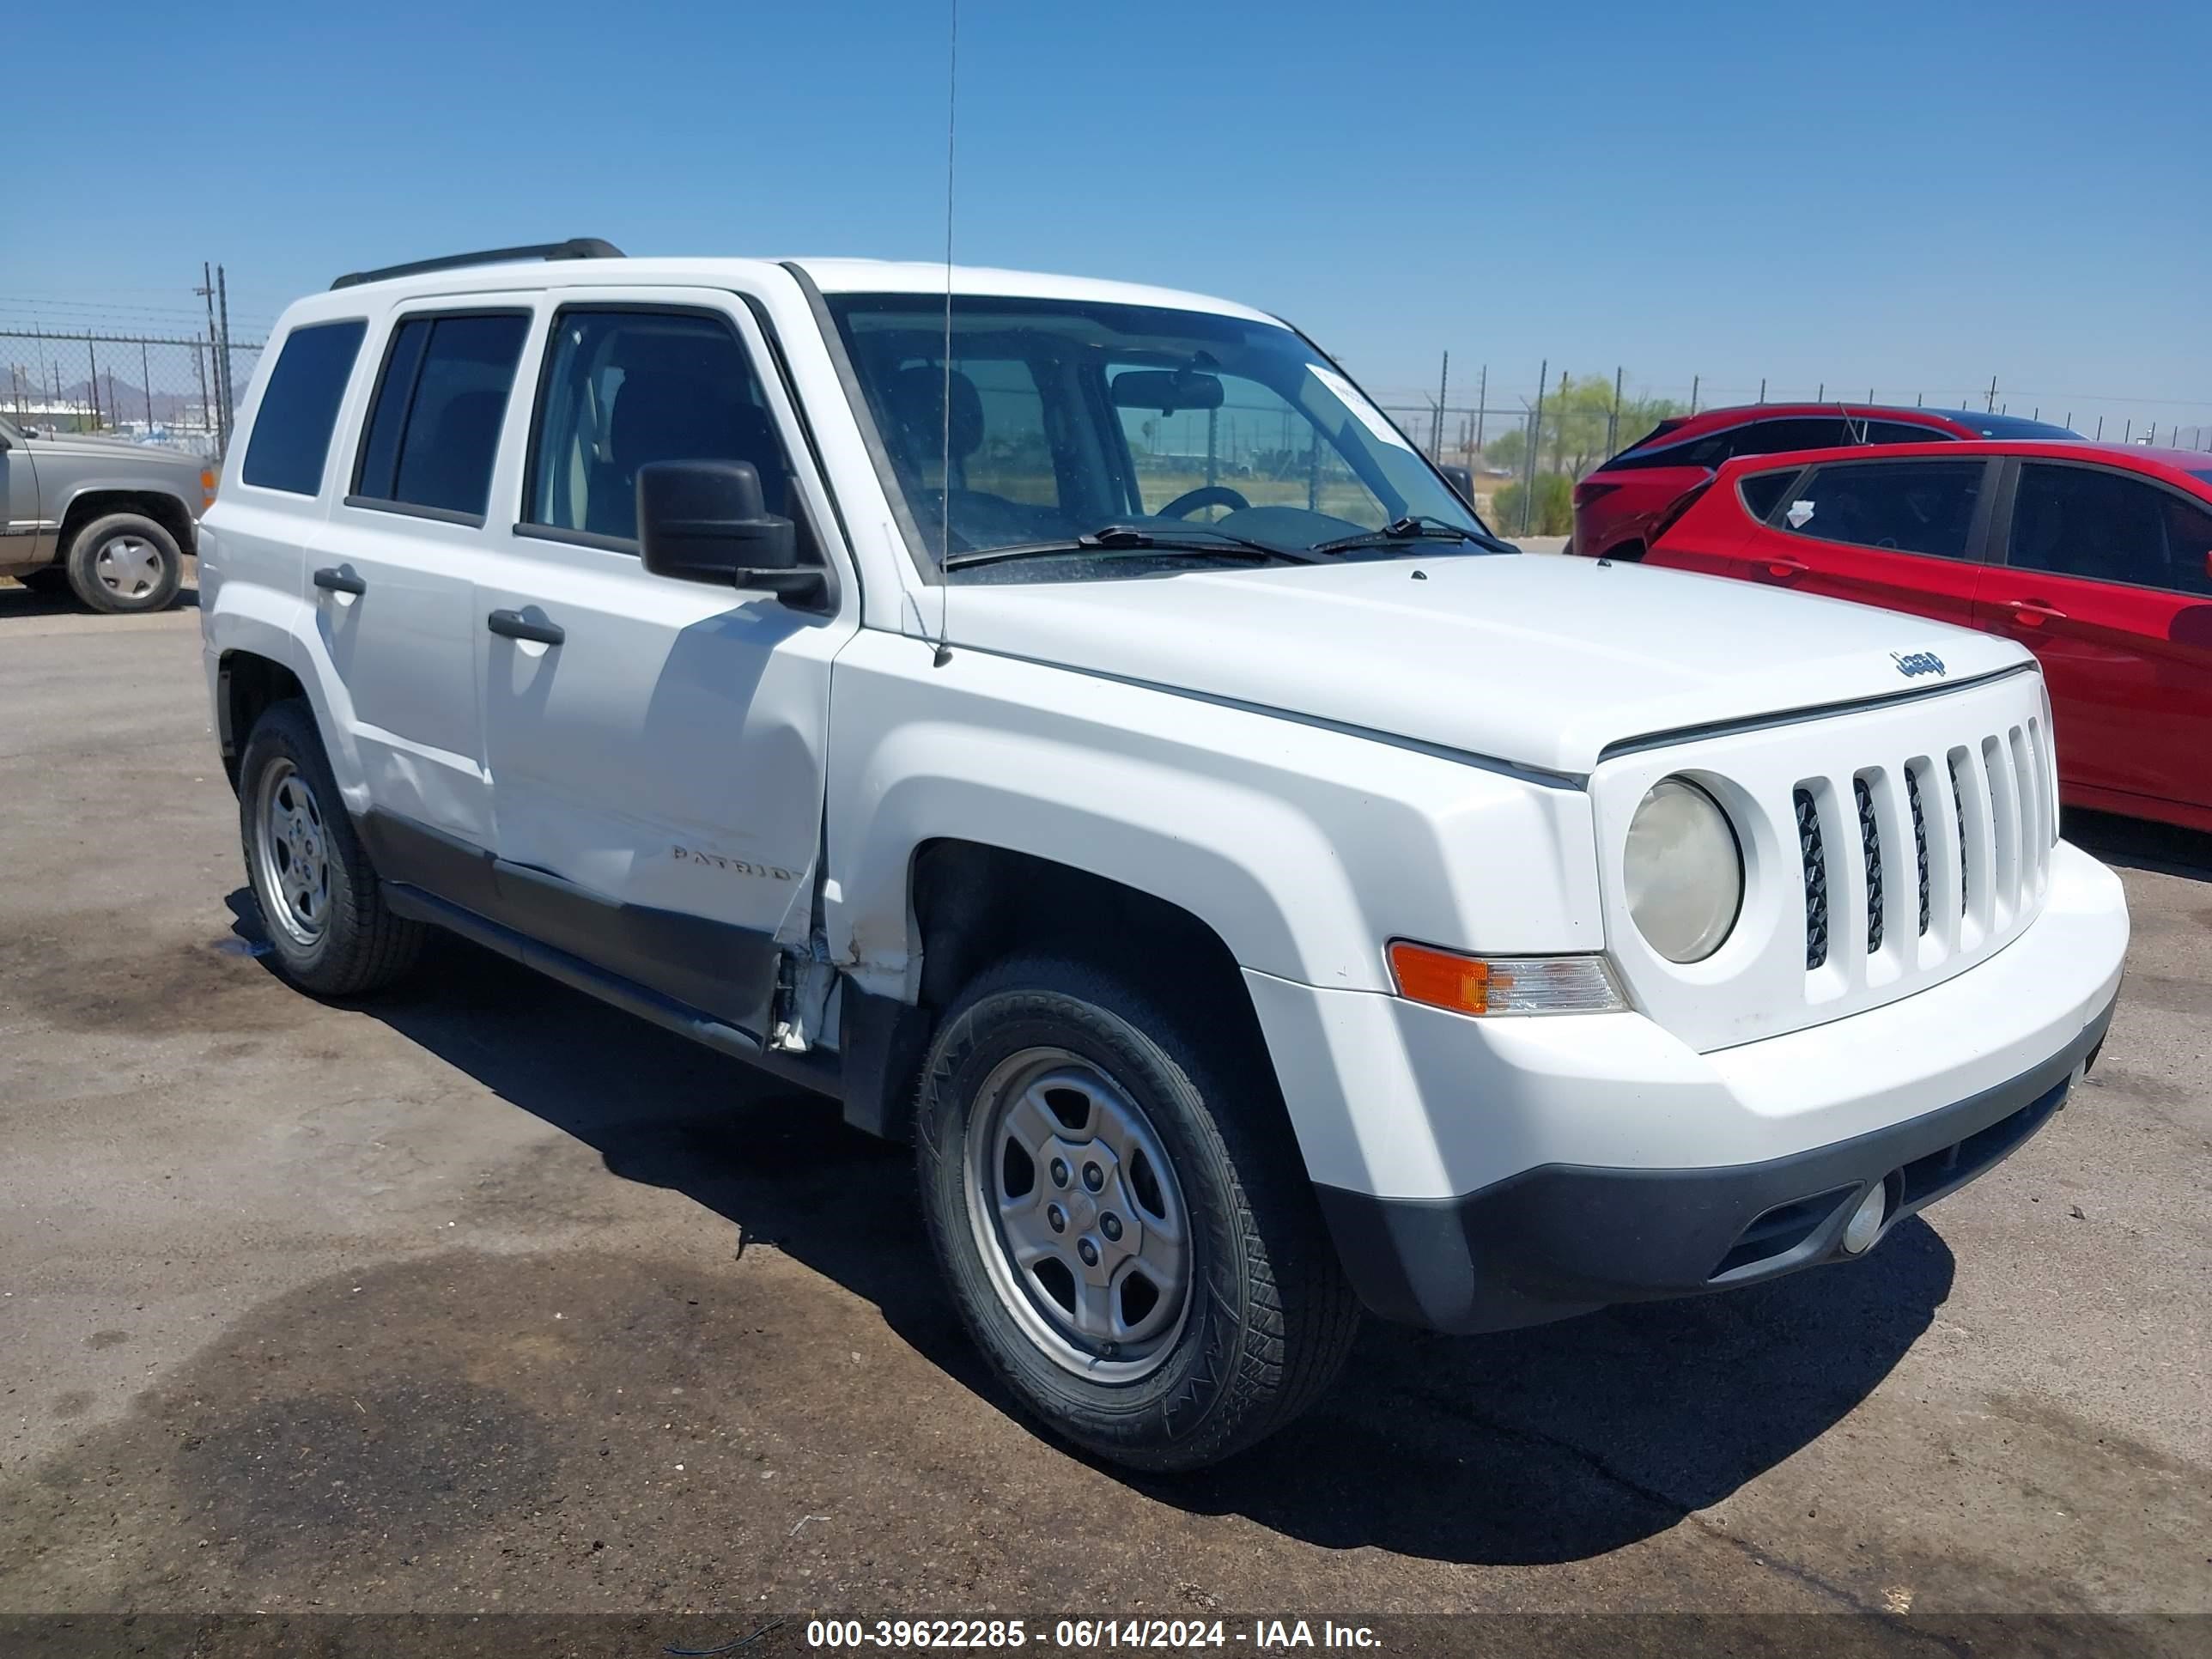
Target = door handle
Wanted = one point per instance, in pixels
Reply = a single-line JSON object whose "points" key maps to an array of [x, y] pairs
{"points": [[340, 581], [2034, 613], [513, 625], [1783, 570]]}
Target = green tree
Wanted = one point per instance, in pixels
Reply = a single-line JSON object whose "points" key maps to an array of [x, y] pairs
{"points": [[1552, 512]]}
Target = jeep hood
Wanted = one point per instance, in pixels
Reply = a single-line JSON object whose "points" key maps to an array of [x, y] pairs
{"points": [[1539, 661]]}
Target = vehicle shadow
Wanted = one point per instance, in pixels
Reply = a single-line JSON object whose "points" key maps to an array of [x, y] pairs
{"points": [[2139, 844], [1540, 1446], [18, 601]]}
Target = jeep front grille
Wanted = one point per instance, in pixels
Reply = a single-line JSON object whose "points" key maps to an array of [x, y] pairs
{"points": [[1815, 860], [2002, 824]]}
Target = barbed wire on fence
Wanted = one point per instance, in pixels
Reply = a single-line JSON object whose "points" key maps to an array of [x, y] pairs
{"points": [[175, 390]]}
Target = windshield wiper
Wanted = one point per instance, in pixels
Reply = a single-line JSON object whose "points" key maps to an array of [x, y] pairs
{"points": [[1416, 527], [1129, 538]]}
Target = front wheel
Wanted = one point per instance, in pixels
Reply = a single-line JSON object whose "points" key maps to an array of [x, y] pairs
{"points": [[125, 563], [1123, 1219]]}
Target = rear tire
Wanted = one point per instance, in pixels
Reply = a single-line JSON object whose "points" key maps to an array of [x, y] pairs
{"points": [[329, 931], [1170, 1163], [125, 563]]}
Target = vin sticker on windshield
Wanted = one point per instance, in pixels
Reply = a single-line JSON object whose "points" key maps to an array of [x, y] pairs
{"points": [[1351, 397]]}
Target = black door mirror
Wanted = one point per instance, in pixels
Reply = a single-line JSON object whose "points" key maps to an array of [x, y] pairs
{"points": [[705, 521], [1461, 479]]}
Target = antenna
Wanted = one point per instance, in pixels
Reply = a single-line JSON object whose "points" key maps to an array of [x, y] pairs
{"points": [[943, 654]]}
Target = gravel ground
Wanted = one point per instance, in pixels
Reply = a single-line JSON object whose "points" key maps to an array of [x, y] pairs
{"points": [[485, 1297]]}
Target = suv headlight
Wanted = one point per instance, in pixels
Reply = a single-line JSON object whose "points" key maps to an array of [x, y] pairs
{"points": [[1683, 869]]}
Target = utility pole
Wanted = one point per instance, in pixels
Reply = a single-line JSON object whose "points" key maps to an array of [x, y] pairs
{"points": [[230, 404], [1436, 426], [1535, 437]]}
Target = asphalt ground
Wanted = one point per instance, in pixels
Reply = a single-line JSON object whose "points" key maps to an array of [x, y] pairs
{"points": [[485, 1298]]}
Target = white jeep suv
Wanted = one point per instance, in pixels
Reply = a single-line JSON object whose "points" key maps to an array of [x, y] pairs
{"points": [[1067, 723]]}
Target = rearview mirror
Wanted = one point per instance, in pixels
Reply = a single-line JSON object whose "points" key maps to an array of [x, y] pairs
{"points": [[705, 521], [1168, 392]]}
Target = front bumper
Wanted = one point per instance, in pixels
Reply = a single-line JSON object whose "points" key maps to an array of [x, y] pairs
{"points": [[1480, 1174], [1564, 1239]]}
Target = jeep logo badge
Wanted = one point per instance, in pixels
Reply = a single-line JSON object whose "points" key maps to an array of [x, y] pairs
{"points": [[1920, 662]]}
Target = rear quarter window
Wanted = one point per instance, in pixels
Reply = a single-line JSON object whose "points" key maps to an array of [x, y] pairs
{"points": [[1762, 492], [299, 408]]}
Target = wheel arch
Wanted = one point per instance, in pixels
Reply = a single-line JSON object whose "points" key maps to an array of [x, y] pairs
{"points": [[92, 502], [246, 683]]}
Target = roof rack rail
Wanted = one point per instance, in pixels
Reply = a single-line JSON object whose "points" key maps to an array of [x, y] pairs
{"points": [[576, 247]]}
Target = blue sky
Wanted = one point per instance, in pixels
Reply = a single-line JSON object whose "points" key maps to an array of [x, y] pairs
{"points": [[1909, 197]]}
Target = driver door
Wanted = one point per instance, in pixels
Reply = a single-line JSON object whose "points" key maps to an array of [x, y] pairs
{"points": [[656, 746], [19, 500]]}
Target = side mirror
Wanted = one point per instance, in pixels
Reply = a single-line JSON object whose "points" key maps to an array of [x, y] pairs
{"points": [[705, 521], [1462, 480]]}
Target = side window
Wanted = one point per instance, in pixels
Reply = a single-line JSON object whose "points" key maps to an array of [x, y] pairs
{"points": [[300, 407], [1908, 507], [623, 388], [1777, 437], [1762, 491], [2107, 527], [433, 429], [1905, 432]]}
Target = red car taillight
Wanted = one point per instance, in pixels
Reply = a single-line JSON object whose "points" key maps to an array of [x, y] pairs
{"points": [[1593, 489]]}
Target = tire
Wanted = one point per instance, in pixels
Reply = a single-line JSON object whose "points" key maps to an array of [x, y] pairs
{"points": [[126, 564], [1262, 1318], [328, 928]]}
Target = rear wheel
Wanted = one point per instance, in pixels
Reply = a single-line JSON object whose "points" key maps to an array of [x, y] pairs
{"points": [[1125, 1223], [125, 563], [329, 929]]}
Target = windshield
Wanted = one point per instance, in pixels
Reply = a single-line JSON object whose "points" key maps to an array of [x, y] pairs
{"points": [[1071, 417]]}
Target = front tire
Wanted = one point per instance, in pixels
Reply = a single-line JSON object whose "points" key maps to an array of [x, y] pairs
{"points": [[329, 929], [1123, 1219], [125, 563]]}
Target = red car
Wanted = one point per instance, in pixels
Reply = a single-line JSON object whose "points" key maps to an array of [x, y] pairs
{"points": [[1617, 506], [2098, 557]]}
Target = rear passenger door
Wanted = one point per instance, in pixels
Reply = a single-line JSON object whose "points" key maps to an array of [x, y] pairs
{"points": [[2103, 578], [393, 585], [655, 745], [1904, 534]]}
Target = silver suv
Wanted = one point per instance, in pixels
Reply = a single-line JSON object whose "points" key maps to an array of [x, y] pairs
{"points": [[110, 520]]}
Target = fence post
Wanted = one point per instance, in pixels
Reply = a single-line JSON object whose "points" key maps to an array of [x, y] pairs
{"points": [[1990, 407], [1762, 388], [146, 381], [1436, 424], [1481, 397], [1612, 421], [92, 380], [1693, 394]]}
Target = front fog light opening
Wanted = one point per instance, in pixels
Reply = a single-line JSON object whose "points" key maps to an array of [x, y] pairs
{"points": [[1683, 871], [1865, 1224]]}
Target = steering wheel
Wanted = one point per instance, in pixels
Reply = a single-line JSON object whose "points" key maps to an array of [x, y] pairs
{"points": [[1205, 495]]}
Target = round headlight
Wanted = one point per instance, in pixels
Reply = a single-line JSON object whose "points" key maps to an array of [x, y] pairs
{"points": [[1684, 871]]}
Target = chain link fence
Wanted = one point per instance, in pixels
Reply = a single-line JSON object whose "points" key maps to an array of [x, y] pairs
{"points": [[178, 391]]}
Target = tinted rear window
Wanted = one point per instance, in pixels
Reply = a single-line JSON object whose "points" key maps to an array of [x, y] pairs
{"points": [[439, 404], [299, 408]]}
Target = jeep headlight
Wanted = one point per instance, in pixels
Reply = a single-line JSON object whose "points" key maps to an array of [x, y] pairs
{"points": [[1683, 869]]}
